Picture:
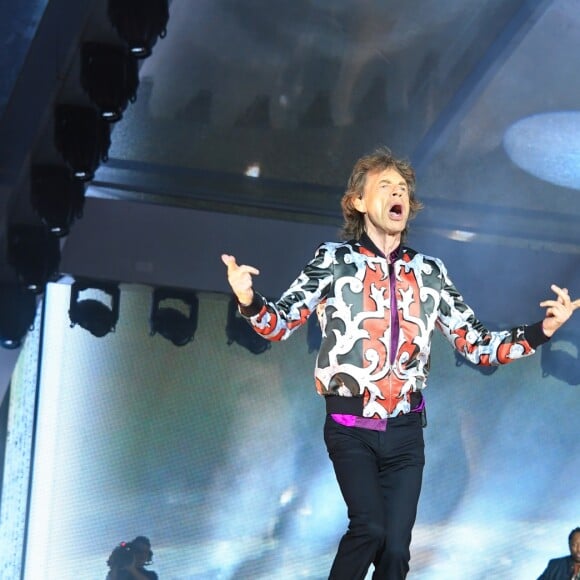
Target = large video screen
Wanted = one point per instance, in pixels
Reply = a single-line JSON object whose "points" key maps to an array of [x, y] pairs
{"points": [[216, 454]]}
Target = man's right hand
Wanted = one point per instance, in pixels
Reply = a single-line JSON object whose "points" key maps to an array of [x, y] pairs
{"points": [[240, 279]]}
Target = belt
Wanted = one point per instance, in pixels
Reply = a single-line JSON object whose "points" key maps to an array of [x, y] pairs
{"points": [[334, 408]]}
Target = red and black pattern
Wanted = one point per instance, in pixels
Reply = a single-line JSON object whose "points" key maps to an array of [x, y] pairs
{"points": [[349, 286]]}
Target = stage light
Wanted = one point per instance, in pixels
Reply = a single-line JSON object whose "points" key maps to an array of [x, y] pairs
{"points": [[168, 320], [461, 236], [90, 311], [110, 76], [57, 198], [139, 23], [17, 311], [34, 254], [83, 139], [253, 170], [545, 145], [239, 331]]}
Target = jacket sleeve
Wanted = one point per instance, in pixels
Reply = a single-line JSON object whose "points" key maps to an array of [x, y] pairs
{"points": [[473, 340], [278, 320]]}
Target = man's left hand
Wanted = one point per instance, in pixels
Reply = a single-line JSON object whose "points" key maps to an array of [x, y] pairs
{"points": [[558, 311]]}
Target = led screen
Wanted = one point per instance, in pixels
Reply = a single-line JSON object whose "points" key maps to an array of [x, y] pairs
{"points": [[216, 454]]}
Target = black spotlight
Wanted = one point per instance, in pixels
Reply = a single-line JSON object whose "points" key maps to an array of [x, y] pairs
{"points": [[110, 76], [239, 331], [83, 139], [57, 198], [168, 320], [90, 311], [34, 253], [139, 23], [17, 311]]}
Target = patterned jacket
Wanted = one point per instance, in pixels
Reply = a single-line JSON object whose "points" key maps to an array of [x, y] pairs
{"points": [[349, 285]]}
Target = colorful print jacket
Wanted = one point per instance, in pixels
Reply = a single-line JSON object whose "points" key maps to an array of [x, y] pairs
{"points": [[349, 286]]}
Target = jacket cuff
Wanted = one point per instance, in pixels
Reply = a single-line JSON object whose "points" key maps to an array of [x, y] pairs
{"points": [[253, 308], [535, 335]]}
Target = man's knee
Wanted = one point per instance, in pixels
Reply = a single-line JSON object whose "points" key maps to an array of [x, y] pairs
{"points": [[372, 531]]}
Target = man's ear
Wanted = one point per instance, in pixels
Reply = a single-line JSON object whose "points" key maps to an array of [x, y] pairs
{"points": [[359, 204]]}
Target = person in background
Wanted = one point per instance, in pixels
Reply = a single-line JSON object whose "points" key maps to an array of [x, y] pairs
{"points": [[379, 302], [566, 567], [128, 560]]}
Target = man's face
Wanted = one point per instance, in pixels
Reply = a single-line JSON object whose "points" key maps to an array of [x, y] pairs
{"points": [[575, 547], [385, 203], [141, 553]]}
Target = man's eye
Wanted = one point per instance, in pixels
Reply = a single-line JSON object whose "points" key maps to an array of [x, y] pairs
{"points": [[393, 186]]}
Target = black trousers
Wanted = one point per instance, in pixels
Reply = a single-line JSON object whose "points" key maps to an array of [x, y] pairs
{"points": [[379, 474]]}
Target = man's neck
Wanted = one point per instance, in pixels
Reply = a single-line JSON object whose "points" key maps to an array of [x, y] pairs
{"points": [[385, 242]]}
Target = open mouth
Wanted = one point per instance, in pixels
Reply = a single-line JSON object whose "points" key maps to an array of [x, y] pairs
{"points": [[396, 211]]}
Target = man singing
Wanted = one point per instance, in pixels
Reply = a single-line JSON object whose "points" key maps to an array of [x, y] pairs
{"points": [[378, 303]]}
